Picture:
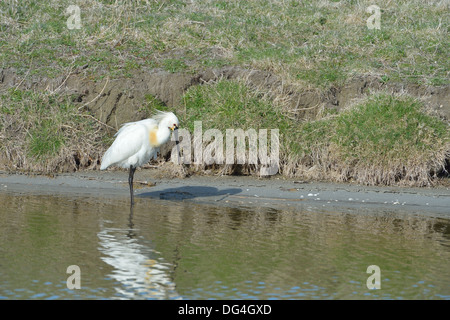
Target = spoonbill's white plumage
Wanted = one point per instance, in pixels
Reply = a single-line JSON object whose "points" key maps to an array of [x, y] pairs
{"points": [[138, 142]]}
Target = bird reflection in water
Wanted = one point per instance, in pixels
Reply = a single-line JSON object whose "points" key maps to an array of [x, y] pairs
{"points": [[140, 271]]}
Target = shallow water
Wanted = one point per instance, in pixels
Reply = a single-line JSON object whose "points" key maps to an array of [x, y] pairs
{"points": [[182, 250]]}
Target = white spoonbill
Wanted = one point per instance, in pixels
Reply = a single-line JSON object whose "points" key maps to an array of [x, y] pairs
{"points": [[138, 142]]}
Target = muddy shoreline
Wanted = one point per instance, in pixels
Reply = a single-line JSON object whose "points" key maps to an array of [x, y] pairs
{"points": [[241, 191]]}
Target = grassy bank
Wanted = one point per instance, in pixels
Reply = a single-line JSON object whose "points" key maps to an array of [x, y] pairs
{"points": [[383, 140], [316, 45]]}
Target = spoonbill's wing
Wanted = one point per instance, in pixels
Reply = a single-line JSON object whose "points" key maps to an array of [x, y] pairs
{"points": [[129, 140]]}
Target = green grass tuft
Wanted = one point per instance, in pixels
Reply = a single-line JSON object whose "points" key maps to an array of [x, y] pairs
{"points": [[230, 104], [383, 140], [44, 142]]}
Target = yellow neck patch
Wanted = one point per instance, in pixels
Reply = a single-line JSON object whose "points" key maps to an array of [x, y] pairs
{"points": [[153, 137]]}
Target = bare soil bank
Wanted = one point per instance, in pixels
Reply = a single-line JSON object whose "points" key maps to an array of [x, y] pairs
{"points": [[116, 101]]}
